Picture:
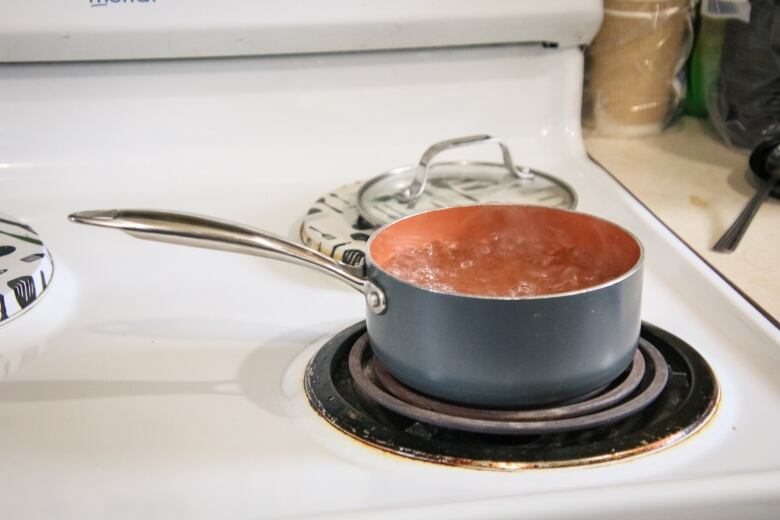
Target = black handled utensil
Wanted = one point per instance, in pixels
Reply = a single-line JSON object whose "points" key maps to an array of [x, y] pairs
{"points": [[765, 163]]}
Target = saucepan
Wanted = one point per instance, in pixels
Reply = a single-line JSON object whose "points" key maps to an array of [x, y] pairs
{"points": [[501, 306]]}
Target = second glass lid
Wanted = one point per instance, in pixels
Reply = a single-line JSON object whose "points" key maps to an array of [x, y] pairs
{"points": [[427, 185]]}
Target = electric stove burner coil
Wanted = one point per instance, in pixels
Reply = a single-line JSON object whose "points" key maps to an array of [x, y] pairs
{"points": [[685, 403], [617, 402]]}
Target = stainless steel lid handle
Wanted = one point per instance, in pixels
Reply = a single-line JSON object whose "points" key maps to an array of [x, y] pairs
{"points": [[194, 230], [411, 193]]}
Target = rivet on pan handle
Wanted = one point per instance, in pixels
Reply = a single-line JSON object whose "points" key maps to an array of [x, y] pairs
{"points": [[411, 193]]}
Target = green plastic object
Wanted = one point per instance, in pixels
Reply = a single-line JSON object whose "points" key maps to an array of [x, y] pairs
{"points": [[704, 65]]}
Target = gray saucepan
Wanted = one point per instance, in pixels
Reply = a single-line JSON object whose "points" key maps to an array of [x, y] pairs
{"points": [[488, 351]]}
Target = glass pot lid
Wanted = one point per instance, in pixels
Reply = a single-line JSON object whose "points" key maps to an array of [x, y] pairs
{"points": [[411, 189]]}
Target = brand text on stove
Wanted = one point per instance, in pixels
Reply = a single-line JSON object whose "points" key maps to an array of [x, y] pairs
{"points": [[102, 3]]}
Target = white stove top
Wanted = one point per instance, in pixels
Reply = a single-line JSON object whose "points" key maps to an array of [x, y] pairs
{"points": [[158, 381]]}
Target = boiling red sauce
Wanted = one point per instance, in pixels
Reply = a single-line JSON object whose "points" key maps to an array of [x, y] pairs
{"points": [[496, 265]]}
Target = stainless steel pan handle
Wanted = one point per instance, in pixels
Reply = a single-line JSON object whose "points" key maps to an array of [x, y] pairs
{"points": [[197, 231]]}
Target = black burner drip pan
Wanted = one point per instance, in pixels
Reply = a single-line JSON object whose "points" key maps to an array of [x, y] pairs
{"points": [[687, 400]]}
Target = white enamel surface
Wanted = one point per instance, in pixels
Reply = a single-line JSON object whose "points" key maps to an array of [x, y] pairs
{"points": [[71, 30], [160, 381]]}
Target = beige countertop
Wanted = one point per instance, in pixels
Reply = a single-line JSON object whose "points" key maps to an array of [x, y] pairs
{"points": [[698, 186]]}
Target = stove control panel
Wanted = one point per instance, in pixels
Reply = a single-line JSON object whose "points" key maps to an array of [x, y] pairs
{"points": [[79, 30]]}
